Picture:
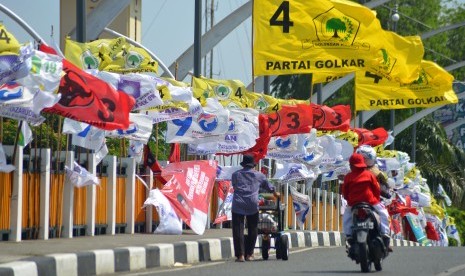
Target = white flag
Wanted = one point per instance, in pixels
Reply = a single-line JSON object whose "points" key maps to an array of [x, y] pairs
{"points": [[13, 67], [84, 135], [287, 171], [4, 167], [140, 128], [301, 205], [203, 128], [25, 137], [169, 221], [141, 87], [80, 177], [136, 150]]}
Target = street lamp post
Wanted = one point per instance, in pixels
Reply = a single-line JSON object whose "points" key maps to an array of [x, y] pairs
{"points": [[394, 17]]}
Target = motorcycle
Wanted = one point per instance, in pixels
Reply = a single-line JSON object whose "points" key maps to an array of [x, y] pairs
{"points": [[367, 246]]}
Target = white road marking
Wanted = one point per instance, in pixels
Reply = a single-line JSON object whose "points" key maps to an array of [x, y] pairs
{"points": [[451, 270]]}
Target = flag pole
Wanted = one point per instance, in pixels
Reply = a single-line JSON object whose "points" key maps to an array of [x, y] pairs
{"points": [[16, 141]]}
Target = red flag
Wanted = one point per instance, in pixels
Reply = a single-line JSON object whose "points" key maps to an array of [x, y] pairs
{"points": [[175, 153], [151, 162], [260, 148], [291, 119], [88, 99], [373, 137], [189, 190], [331, 118]]}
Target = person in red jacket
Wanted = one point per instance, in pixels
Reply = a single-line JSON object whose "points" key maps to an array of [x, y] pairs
{"points": [[360, 185]]}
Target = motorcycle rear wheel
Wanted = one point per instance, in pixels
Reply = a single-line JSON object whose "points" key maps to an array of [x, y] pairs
{"points": [[365, 264]]}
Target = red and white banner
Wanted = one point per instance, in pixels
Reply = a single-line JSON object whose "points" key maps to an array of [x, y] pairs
{"points": [[189, 190], [225, 195]]}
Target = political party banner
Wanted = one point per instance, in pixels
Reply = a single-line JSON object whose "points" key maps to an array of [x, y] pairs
{"points": [[225, 172], [141, 87], [225, 196], [178, 103], [114, 55], [15, 94], [140, 128], [372, 137], [136, 150], [416, 228], [295, 37], [88, 99], [262, 102], [14, 65], [287, 146], [331, 118], [399, 58], [4, 167], [432, 88], [290, 172], [21, 113], [230, 93], [189, 190], [46, 71], [325, 77], [261, 143], [451, 113], [8, 43], [240, 136], [84, 135], [291, 119], [205, 127], [25, 136], [80, 177], [301, 205], [169, 222]]}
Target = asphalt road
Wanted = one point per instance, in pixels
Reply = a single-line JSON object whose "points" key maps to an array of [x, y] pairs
{"points": [[410, 261]]}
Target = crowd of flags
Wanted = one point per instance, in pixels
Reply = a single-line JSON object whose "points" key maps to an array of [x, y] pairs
{"points": [[110, 88]]}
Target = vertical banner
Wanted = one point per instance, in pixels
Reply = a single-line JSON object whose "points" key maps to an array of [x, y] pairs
{"points": [[225, 195], [189, 190], [301, 205]]}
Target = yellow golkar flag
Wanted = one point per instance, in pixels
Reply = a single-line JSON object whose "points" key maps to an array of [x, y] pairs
{"points": [[8, 43], [432, 88], [113, 55], [299, 36], [230, 93]]}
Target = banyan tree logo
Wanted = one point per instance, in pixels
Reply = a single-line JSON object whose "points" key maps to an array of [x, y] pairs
{"points": [[261, 104], [89, 61], [222, 91], [422, 79], [334, 29], [133, 60]]}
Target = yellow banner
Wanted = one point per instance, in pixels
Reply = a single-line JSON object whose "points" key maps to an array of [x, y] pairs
{"points": [[263, 103], [87, 55], [300, 36], [230, 93], [399, 59], [324, 77], [8, 43], [432, 88], [114, 55]]}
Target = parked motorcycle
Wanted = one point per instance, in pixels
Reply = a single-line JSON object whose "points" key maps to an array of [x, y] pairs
{"points": [[367, 246]]}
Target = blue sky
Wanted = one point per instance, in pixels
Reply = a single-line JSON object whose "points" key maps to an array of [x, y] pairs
{"points": [[167, 30]]}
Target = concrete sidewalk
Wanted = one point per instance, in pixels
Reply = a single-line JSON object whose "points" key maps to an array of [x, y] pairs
{"points": [[125, 252]]}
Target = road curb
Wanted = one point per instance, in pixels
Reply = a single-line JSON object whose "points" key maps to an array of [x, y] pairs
{"points": [[121, 259]]}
